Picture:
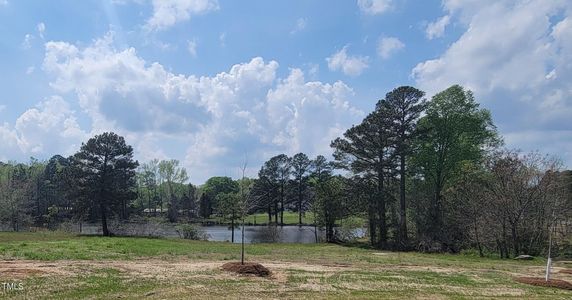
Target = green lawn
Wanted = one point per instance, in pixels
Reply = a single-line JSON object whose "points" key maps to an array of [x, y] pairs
{"points": [[61, 266], [290, 218]]}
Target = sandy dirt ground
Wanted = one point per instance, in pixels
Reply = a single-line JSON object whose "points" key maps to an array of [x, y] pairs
{"points": [[314, 274], [20, 269]]}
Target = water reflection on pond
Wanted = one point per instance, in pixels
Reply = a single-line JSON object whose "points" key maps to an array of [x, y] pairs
{"points": [[264, 234], [252, 234]]}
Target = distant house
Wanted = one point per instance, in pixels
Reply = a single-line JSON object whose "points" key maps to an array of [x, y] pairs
{"points": [[155, 210]]}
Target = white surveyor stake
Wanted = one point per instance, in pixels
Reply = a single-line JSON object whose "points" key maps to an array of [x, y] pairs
{"points": [[548, 266], [549, 262]]}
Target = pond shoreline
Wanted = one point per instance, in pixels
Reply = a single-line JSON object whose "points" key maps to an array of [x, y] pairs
{"points": [[260, 233]]}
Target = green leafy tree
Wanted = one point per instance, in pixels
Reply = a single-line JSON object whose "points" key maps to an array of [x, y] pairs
{"points": [[321, 171], [212, 188], [172, 174], [283, 163], [300, 170], [455, 129], [264, 189], [205, 206], [149, 180], [228, 207], [329, 203], [37, 189], [272, 185], [104, 174], [190, 201], [15, 191], [55, 189]]}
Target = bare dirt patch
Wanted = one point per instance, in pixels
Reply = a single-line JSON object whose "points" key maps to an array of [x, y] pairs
{"points": [[310, 267], [150, 268], [565, 271], [557, 283], [24, 268], [247, 268]]}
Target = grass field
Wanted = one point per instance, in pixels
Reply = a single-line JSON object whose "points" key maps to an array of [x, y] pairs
{"points": [[290, 218], [60, 266]]}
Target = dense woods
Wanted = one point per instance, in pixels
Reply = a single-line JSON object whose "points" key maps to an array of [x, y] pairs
{"points": [[427, 175]]}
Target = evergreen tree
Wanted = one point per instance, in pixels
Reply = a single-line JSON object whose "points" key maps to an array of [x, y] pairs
{"points": [[406, 104], [104, 172], [367, 150]]}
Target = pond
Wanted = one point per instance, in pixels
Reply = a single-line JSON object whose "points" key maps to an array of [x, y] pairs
{"points": [[252, 234]]}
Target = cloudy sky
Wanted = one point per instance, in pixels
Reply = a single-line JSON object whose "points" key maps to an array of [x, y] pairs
{"points": [[209, 82]]}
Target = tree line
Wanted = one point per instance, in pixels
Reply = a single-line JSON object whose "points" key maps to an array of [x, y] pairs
{"points": [[423, 175]]}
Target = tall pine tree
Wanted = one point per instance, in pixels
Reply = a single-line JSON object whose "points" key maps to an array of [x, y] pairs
{"points": [[104, 172], [406, 105]]}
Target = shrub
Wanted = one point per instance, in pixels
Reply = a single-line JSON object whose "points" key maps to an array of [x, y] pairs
{"points": [[191, 232], [350, 230]]}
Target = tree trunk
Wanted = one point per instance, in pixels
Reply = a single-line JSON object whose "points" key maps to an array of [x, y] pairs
{"points": [[515, 242], [123, 209], [499, 246], [435, 221], [276, 211], [102, 199], [103, 219], [372, 224], [242, 243], [315, 228], [382, 243], [232, 228], [403, 239], [149, 200], [504, 239], [477, 238], [282, 213], [154, 202], [329, 227], [300, 202], [282, 205]]}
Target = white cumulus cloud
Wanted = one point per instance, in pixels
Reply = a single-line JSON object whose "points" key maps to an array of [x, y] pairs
{"points": [[50, 127], [27, 43], [388, 46], [192, 47], [167, 13], [41, 27], [515, 56], [208, 122], [349, 65], [437, 29], [300, 25], [374, 7]]}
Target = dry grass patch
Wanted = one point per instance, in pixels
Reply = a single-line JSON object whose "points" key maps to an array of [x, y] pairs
{"points": [[18, 269]]}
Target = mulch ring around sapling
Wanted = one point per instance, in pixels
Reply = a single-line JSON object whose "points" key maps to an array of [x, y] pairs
{"points": [[557, 283], [248, 268]]}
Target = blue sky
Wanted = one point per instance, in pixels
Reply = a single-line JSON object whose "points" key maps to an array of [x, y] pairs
{"points": [[209, 82]]}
